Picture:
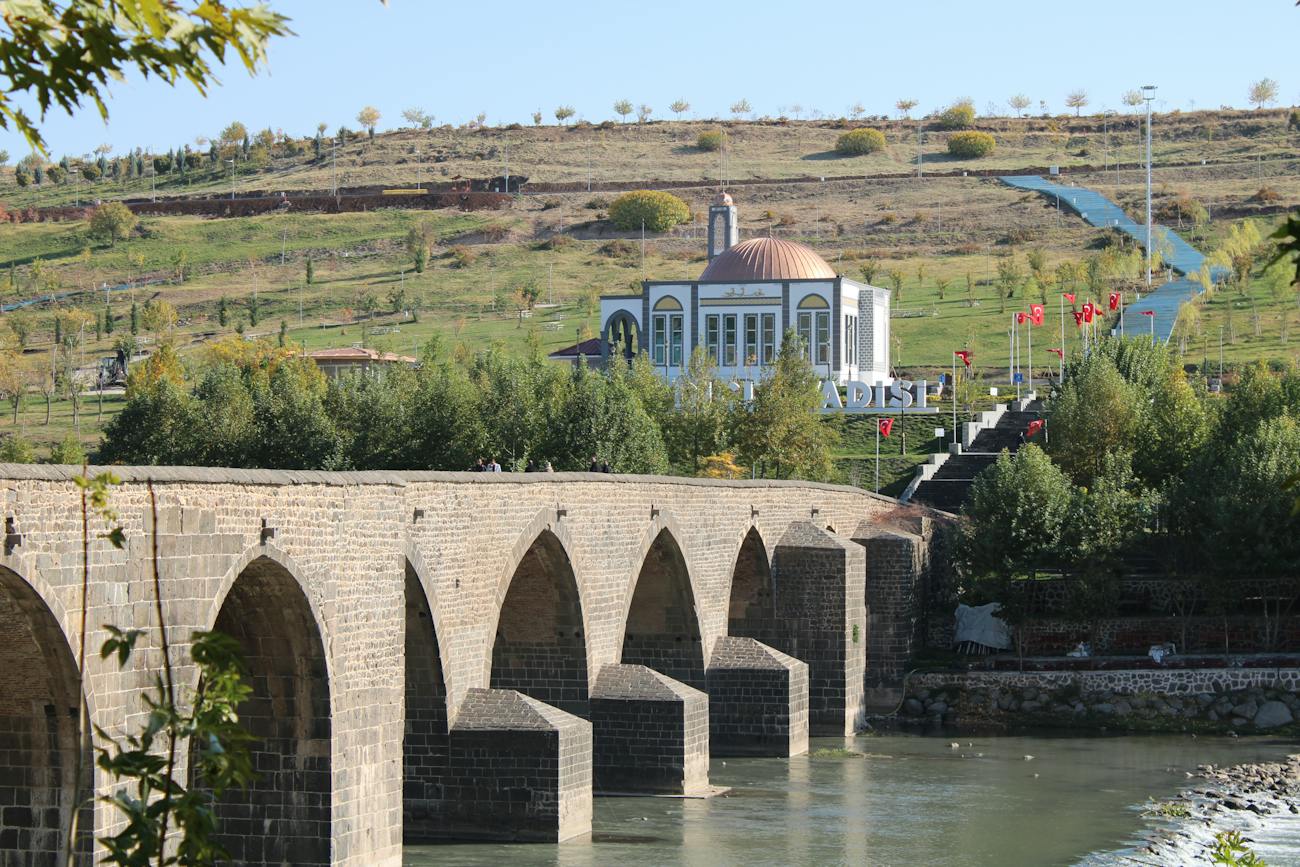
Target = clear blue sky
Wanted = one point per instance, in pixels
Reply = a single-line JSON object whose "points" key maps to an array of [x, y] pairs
{"points": [[510, 58]]}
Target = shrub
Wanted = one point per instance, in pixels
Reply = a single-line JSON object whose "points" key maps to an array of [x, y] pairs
{"points": [[618, 249], [597, 203], [555, 242], [860, 141], [1266, 195], [711, 140], [959, 115], [970, 145], [462, 256], [657, 211]]}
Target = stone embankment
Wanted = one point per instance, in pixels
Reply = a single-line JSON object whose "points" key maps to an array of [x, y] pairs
{"points": [[1245, 798], [1245, 700]]}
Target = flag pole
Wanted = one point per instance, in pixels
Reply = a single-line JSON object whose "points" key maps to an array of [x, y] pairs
{"points": [[1121, 314], [877, 455], [1011, 351], [953, 385], [1061, 299], [1029, 326], [1015, 329]]}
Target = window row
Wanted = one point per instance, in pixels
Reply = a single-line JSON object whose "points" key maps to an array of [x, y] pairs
{"points": [[734, 339]]}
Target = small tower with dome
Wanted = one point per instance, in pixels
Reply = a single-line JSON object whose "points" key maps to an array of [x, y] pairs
{"points": [[724, 229]]}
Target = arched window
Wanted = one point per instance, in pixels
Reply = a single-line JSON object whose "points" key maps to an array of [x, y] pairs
{"points": [[814, 326], [667, 332]]}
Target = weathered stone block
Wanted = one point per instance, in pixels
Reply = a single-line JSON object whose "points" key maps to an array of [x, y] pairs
{"points": [[758, 700], [650, 733], [518, 769]]}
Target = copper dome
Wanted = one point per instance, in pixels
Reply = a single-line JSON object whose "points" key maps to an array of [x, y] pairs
{"points": [[768, 259]]}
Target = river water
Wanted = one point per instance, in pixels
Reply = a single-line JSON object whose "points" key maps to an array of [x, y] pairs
{"points": [[911, 800]]}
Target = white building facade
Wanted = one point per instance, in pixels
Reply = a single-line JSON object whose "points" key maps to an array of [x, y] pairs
{"points": [[741, 306]]}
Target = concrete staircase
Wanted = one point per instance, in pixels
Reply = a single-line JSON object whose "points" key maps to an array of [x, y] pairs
{"points": [[944, 481]]}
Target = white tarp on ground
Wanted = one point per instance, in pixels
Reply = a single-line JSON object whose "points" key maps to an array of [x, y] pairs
{"points": [[981, 625]]}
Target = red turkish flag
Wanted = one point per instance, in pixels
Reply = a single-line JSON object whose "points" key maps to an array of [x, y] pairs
{"points": [[886, 426], [1088, 311], [1022, 318], [1148, 313], [964, 355], [1060, 352], [1036, 314], [1114, 300], [1069, 296], [1034, 427], [1078, 319]]}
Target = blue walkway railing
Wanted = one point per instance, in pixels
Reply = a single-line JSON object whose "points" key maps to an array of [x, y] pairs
{"points": [[1099, 211]]}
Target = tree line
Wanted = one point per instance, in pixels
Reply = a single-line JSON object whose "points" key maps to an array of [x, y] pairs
{"points": [[1134, 460], [256, 404]]}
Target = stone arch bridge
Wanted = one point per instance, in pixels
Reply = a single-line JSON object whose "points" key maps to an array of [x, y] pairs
{"points": [[450, 655]]}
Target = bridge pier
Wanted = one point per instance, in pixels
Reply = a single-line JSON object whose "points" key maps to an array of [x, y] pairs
{"points": [[518, 770], [894, 564], [819, 583], [758, 700], [650, 733]]}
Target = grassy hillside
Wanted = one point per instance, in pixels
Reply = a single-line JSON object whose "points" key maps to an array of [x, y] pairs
{"points": [[930, 231]]}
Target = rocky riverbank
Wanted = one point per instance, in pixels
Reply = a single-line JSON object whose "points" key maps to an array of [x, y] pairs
{"points": [[1256, 800], [1178, 702]]}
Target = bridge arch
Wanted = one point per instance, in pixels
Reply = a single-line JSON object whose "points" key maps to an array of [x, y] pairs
{"points": [[661, 617], [540, 640], [751, 599], [266, 606], [40, 698], [426, 733]]}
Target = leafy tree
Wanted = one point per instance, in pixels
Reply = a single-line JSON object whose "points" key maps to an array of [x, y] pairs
{"points": [[62, 53], [971, 144], [1077, 100], [17, 449], [644, 113], [1019, 103], [601, 415], [159, 318], [905, 107], [959, 115], [135, 318], [112, 222], [68, 451], [741, 107], [860, 141], [698, 426], [223, 312], [310, 270], [623, 108], [368, 118], [657, 211], [711, 140], [418, 117], [284, 334], [1094, 414], [679, 108], [13, 380], [418, 239], [254, 313], [1263, 92], [233, 135], [563, 113], [781, 432], [537, 118]]}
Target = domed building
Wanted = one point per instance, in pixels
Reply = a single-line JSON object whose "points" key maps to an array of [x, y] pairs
{"points": [[750, 294]]}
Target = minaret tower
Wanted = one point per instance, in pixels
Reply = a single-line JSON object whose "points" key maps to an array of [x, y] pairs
{"points": [[724, 230]]}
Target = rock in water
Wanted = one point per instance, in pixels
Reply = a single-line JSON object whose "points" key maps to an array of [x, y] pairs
{"points": [[1272, 714]]}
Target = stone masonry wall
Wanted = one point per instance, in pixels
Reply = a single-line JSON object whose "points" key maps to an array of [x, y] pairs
{"points": [[347, 540], [1171, 699]]}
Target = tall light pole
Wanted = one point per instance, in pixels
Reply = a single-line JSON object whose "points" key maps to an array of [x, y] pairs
{"points": [[1148, 94]]}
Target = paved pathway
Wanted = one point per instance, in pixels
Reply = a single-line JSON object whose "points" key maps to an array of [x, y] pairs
{"points": [[1100, 211]]}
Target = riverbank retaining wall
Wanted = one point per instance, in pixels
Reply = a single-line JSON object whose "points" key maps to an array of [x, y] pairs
{"points": [[1234, 699]]}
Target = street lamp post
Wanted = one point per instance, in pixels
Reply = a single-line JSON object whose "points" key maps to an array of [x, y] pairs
{"points": [[1148, 94]]}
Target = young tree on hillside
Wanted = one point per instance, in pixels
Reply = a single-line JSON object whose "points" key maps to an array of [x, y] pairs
{"points": [[1263, 92], [537, 118], [740, 108], [1077, 99], [697, 427], [905, 107], [1019, 103], [112, 222], [1132, 98], [368, 117], [679, 107], [781, 432], [857, 110], [563, 113], [418, 117], [623, 108], [643, 113]]}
